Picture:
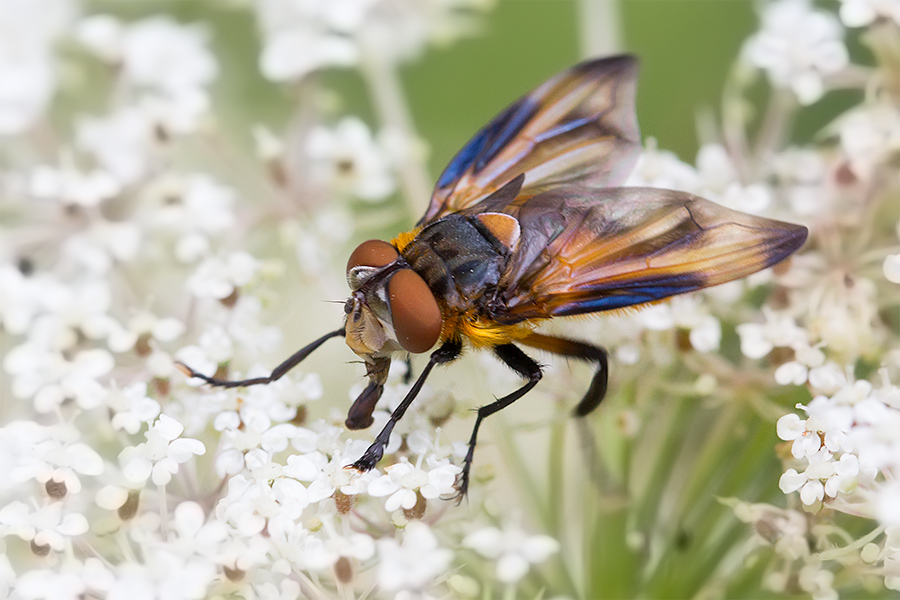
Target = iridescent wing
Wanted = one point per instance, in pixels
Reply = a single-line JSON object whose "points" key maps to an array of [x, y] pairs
{"points": [[577, 128], [584, 250]]}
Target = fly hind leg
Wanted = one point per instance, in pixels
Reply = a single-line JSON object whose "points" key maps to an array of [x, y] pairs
{"points": [[525, 366], [581, 351]]}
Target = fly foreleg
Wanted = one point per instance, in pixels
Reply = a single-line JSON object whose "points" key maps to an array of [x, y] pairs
{"points": [[449, 351], [525, 366], [295, 359]]}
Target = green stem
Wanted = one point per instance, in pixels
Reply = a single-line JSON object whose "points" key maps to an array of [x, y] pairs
{"points": [[393, 110]]}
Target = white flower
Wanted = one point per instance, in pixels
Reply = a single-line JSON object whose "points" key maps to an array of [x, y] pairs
{"points": [[798, 46], [56, 461], [326, 476], [158, 458], [290, 55], [142, 327], [348, 160], [28, 29], [779, 331], [44, 526], [870, 137], [891, 268], [512, 548], [218, 276], [102, 35], [663, 169], [132, 407], [161, 53], [802, 174], [413, 563], [69, 185], [402, 480], [50, 378], [194, 208], [121, 142], [859, 13], [22, 296]]}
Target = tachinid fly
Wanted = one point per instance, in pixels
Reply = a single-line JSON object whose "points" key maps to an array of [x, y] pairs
{"points": [[523, 226]]}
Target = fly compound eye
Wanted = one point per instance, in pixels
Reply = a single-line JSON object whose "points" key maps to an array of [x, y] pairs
{"points": [[373, 253], [415, 314]]}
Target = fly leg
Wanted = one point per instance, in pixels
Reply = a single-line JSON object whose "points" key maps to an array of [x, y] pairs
{"points": [[581, 351], [449, 351], [407, 377], [279, 371], [525, 366]]}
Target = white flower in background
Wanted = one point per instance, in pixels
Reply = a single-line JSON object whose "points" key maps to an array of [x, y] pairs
{"points": [[102, 35], [71, 580], [158, 458], [302, 36], [891, 267], [122, 142], [163, 54], [513, 549], [219, 276], [413, 563], [131, 407], [28, 30], [22, 297], [56, 463], [348, 160], [163, 574], [194, 208], [141, 328], [802, 175], [786, 530], [798, 47], [662, 169], [778, 331], [101, 245], [403, 480], [69, 185], [688, 313], [823, 476], [860, 13], [50, 377], [870, 137], [168, 62], [44, 526]]}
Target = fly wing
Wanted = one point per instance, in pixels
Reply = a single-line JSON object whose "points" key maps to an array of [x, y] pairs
{"points": [[577, 128], [587, 250]]}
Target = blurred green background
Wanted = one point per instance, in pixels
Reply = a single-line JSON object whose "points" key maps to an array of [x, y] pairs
{"points": [[686, 48]]}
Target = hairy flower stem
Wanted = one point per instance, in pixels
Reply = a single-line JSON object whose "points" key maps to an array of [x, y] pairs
{"points": [[599, 26], [163, 511], [393, 110], [773, 131]]}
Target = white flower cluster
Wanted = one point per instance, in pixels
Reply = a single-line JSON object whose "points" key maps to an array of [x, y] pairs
{"points": [[301, 36], [123, 479]]}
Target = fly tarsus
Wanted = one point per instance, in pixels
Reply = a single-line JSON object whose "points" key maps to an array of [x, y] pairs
{"points": [[525, 366]]}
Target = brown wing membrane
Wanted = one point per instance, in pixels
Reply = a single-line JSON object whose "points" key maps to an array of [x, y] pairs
{"points": [[585, 250], [577, 128]]}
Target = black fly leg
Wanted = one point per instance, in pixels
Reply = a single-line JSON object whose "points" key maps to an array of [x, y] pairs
{"points": [[582, 351], [408, 376], [279, 371], [525, 366], [449, 351]]}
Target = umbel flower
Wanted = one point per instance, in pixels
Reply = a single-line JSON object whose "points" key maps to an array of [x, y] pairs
{"points": [[748, 446]]}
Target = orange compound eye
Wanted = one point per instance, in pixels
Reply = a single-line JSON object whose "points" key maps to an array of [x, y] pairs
{"points": [[414, 311], [373, 253]]}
